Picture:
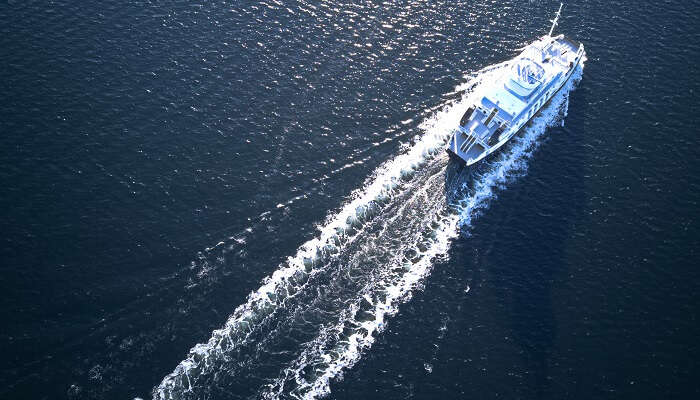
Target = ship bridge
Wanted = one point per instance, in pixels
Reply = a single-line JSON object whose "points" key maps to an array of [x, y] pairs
{"points": [[526, 76]]}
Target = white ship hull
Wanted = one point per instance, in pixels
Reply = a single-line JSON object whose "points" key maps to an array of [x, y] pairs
{"points": [[533, 78]]}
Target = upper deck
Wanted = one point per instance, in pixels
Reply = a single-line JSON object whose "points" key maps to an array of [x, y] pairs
{"points": [[532, 73]]}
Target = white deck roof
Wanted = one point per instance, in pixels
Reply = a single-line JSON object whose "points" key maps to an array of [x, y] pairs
{"points": [[506, 100]]}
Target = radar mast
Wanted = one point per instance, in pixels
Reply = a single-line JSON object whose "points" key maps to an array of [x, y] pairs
{"points": [[556, 19]]}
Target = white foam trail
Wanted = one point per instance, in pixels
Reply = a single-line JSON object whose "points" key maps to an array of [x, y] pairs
{"points": [[339, 229], [328, 364]]}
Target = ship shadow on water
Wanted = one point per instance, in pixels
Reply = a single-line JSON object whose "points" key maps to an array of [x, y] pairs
{"points": [[519, 251], [525, 238]]}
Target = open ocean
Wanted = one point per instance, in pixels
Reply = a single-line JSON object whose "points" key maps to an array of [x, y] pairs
{"points": [[251, 200]]}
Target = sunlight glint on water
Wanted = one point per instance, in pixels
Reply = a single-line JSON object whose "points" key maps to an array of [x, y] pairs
{"points": [[390, 179]]}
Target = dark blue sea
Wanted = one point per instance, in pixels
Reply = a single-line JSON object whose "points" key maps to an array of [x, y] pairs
{"points": [[251, 200]]}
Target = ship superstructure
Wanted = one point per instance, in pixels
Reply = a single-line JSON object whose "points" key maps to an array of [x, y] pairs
{"points": [[532, 79]]}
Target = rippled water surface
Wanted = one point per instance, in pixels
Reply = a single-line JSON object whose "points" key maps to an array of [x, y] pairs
{"points": [[242, 200]]}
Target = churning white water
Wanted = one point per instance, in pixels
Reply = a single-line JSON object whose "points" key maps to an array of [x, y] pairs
{"points": [[400, 254]]}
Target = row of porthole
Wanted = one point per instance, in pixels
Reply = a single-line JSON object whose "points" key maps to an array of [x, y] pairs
{"points": [[538, 105]]}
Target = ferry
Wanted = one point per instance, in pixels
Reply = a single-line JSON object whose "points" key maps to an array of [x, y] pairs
{"points": [[532, 79]]}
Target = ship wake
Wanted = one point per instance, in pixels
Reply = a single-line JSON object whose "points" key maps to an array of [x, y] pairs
{"points": [[316, 315]]}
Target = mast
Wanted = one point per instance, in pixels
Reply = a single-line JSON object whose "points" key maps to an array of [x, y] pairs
{"points": [[556, 19]]}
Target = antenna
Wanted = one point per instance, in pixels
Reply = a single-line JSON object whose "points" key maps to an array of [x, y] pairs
{"points": [[556, 19]]}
